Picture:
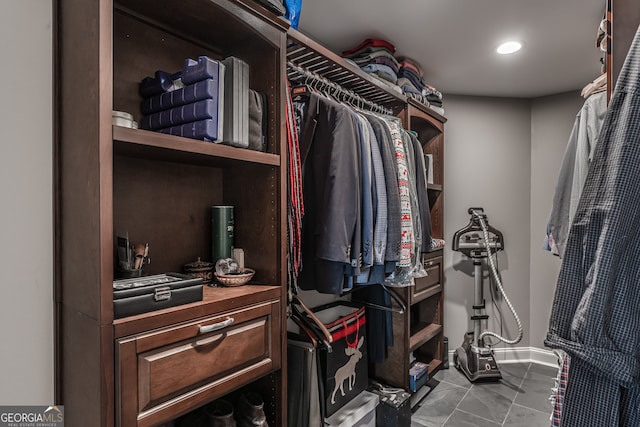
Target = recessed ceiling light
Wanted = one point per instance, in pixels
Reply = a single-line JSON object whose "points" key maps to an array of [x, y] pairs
{"points": [[509, 47]]}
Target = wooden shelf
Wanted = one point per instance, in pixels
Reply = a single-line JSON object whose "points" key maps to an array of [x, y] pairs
{"points": [[434, 366], [208, 23], [434, 187], [427, 293], [159, 146], [423, 111], [423, 334]]}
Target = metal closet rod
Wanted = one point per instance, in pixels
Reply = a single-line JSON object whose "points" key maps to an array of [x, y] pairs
{"points": [[333, 88]]}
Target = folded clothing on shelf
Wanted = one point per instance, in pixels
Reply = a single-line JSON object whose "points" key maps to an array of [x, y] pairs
{"points": [[368, 43], [375, 57], [437, 244], [209, 101], [205, 89], [192, 109], [200, 110], [403, 74]]}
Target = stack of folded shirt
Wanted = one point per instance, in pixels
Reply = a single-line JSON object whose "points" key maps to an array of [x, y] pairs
{"points": [[410, 76], [375, 57], [411, 81]]}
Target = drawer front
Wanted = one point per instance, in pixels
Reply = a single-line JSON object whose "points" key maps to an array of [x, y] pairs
{"points": [[175, 368], [425, 286], [180, 368]]}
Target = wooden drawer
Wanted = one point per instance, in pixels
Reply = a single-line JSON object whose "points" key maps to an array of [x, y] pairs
{"points": [[431, 284], [168, 372]]}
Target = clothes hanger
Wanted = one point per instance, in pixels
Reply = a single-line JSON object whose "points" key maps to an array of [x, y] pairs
{"points": [[302, 88], [375, 306], [310, 327], [325, 332], [306, 331]]}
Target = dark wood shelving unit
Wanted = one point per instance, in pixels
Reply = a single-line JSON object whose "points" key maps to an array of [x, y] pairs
{"points": [[160, 189], [419, 330]]}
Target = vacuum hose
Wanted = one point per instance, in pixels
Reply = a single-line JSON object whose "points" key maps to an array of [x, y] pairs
{"points": [[494, 270]]}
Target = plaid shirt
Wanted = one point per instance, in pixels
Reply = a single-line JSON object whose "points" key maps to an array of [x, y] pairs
{"points": [[561, 387], [596, 310]]}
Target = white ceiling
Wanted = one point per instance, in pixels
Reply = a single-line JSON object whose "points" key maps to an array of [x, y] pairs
{"points": [[455, 40]]}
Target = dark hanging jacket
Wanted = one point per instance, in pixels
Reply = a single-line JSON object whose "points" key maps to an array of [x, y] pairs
{"points": [[330, 165]]}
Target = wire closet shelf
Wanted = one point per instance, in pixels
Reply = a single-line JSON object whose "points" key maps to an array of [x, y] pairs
{"points": [[305, 57]]}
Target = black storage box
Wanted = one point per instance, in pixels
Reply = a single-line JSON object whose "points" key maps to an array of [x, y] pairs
{"points": [[394, 409], [344, 369], [149, 293]]}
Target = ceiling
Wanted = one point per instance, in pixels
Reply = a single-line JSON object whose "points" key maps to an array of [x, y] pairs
{"points": [[455, 40]]}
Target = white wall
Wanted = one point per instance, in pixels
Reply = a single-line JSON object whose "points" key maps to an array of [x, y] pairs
{"points": [[504, 155], [552, 118], [487, 164], [26, 252]]}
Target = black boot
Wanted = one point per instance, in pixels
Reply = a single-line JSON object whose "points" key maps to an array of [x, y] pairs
{"points": [[250, 411], [219, 414]]}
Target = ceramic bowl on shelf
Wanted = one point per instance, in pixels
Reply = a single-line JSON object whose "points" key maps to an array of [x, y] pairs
{"points": [[235, 279]]}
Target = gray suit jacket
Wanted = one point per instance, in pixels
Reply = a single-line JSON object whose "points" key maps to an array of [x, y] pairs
{"points": [[329, 150]]}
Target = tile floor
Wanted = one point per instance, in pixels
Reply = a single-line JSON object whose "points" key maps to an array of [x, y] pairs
{"points": [[519, 399]]}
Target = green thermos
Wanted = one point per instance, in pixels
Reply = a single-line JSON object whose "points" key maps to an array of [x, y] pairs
{"points": [[222, 231]]}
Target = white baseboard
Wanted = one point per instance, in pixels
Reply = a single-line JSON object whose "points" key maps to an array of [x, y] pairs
{"points": [[521, 355]]}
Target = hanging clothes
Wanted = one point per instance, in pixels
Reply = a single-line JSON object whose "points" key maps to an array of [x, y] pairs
{"points": [[331, 182], [377, 169], [406, 223], [417, 270], [383, 137], [364, 184], [595, 314], [295, 205], [374, 199], [573, 172], [380, 199], [422, 194], [557, 399]]}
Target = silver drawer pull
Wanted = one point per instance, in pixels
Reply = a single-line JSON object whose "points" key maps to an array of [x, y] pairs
{"points": [[427, 264], [216, 326]]}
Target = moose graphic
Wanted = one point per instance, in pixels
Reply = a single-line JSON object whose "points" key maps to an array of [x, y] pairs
{"points": [[348, 370]]}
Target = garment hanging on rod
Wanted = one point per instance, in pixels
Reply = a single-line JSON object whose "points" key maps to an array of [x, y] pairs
{"points": [[296, 301], [573, 171], [402, 307], [295, 205], [599, 84], [331, 147], [594, 316], [337, 125], [331, 151]]}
